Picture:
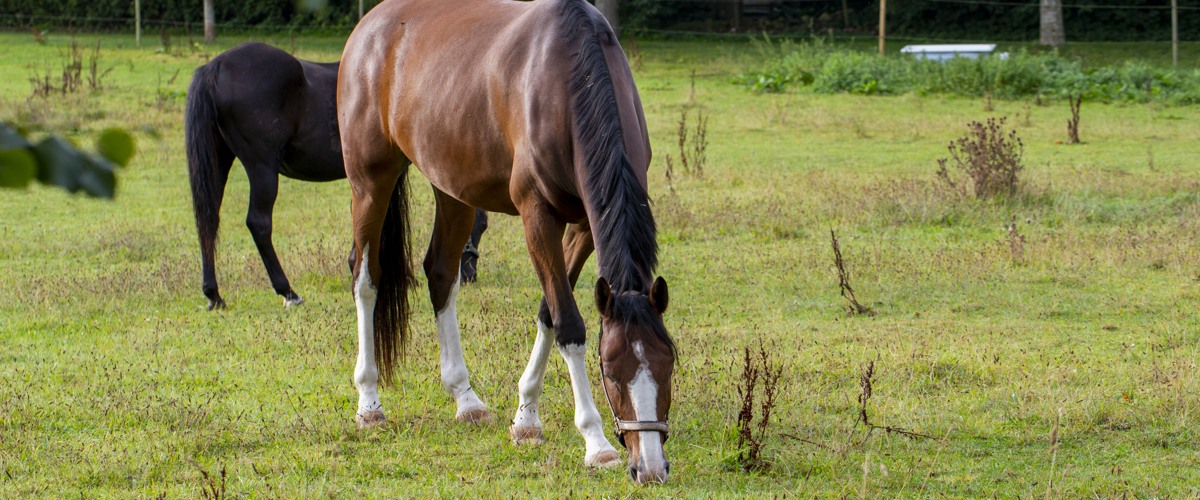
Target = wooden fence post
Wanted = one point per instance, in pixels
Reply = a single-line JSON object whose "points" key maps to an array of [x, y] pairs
{"points": [[882, 24]]}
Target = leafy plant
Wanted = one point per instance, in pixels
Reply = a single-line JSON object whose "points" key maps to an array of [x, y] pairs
{"points": [[1017, 76], [55, 161]]}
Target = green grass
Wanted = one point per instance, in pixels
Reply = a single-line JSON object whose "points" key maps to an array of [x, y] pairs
{"points": [[114, 381]]}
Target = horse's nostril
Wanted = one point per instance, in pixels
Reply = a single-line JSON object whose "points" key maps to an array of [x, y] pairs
{"points": [[633, 473]]}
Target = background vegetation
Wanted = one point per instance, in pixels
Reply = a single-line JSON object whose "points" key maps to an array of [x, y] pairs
{"points": [[830, 68], [1045, 341], [1011, 20]]}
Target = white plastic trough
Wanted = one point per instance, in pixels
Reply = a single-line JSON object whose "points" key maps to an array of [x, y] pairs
{"points": [[950, 51]]}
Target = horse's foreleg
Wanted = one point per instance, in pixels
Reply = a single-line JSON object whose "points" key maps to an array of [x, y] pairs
{"points": [[264, 188], [543, 236], [450, 230], [578, 246], [527, 425]]}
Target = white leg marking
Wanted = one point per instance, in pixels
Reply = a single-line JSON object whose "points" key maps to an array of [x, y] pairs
{"points": [[366, 372], [455, 377], [643, 393], [587, 419], [530, 386]]}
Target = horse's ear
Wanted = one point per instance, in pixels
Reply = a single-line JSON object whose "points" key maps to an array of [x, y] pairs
{"points": [[603, 296], [658, 295]]}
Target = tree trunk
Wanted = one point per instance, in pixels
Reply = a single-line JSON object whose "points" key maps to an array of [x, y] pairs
{"points": [[1052, 32], [210, 22], [610, 10], [1174, 32]]}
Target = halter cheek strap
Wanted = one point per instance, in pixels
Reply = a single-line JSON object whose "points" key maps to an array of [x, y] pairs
{"points": [[624, 426]]}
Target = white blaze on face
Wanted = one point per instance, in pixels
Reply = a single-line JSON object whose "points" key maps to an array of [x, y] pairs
{"points": [[643, 393]]}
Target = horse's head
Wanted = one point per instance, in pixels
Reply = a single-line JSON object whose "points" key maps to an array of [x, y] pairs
{"points": [[636, 362]]}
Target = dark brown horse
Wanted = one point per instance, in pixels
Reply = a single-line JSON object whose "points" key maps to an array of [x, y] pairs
{"points": [[530, 109], [277, 114]]}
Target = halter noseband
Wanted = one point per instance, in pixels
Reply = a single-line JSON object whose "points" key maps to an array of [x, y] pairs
{"points": [[623, 426]]}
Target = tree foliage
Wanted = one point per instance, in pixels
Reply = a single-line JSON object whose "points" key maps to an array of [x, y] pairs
{"points": [[1009, 20], [55, 161]]}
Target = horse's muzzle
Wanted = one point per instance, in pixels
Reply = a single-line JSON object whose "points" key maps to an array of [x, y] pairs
{"points": [[641, 473]]}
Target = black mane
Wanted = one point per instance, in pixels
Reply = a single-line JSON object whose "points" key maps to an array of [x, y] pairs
{"points": [[626, 237], [635, 309]]}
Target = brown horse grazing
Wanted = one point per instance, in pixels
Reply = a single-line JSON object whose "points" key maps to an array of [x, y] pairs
{"points": [[277, 114], [529, 109]]}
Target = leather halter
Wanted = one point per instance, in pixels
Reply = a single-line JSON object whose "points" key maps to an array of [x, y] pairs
{"points": [[623, 426]]}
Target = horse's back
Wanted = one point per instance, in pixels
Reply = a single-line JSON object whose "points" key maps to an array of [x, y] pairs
{"points": [[279, 109], [464, 90]]}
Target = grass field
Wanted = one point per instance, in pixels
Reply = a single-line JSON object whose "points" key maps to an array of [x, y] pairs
{"points": [[114, 380]]}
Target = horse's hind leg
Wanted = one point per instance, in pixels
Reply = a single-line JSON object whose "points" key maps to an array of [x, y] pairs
{"points": [[527, 424], [451, 228], [264, 188], [208, 228], [373, 182]]}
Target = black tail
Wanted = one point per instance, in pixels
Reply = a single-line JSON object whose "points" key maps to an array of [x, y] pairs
{"points": [[206, 150], [395, 280]]}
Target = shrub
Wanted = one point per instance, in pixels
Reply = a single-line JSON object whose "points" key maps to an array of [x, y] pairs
{"points": [[1020, 75], [857, 73], [988, 157]]}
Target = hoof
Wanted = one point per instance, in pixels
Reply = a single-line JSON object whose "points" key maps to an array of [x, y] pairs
{"points": [[370, 419], [604, 460], [474, 416], [216, 304], [292, 300], [531, 436]]}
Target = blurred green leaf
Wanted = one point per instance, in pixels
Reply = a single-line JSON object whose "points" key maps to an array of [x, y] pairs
{"points": [[10, 137], [57, 162], [116, 145], [61, 164], [18, 167], [98, 177]]}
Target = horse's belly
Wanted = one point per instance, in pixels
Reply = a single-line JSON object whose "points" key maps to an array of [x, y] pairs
{"points": [[476, 186]]}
